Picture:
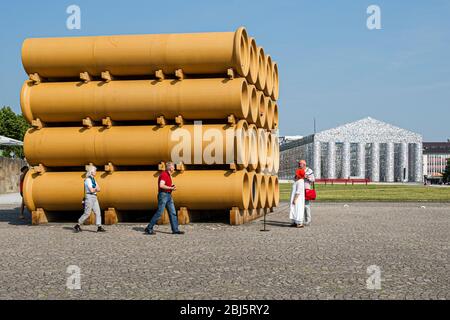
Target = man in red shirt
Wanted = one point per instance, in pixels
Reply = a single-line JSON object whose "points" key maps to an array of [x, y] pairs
{"points": [[165, 188]]}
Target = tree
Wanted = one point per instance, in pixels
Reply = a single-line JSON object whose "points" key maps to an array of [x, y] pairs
{"points": [[446, 173], [13, 126]]}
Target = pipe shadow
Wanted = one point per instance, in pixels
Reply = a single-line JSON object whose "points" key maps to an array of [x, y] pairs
{"points": [[11, 216]]}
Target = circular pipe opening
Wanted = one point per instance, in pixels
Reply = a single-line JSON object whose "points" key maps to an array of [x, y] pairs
{"points": [[241, 52], [276, 84], [276, 191], [269, 77], [262, 149], [241, 144], [276, 157], [25, 100], [262, 110], [262, 191], [28, 190], [252, 116], [254, 190], [270, 112], [245, 99], [270, 194], [275, 115], [253, 67], [245, 191], [253, 149], [269, 152], [261, 80]]}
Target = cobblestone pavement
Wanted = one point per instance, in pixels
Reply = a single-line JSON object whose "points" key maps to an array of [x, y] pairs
{"points": [[327, 260]]}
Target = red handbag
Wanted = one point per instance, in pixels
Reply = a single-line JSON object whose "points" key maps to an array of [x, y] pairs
{"points": [[310, 194]]}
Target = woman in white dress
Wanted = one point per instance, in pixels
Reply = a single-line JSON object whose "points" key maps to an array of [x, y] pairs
{"points": [[297, 210]]}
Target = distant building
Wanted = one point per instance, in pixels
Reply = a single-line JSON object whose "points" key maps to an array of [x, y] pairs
{"points": [[287, 139], [367, 148], [435, 155]]}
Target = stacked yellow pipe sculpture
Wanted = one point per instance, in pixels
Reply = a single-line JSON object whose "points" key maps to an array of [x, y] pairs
{"points": [[131, 103]]}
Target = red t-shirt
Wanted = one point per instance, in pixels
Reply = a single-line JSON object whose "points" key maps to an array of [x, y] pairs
{"points": [[165, 176]]}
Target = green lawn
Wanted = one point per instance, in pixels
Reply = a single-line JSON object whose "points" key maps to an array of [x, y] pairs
{"points": [[373, 193]]}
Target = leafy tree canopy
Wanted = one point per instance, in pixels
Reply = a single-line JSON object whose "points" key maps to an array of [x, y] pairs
{"points": [[13, 126]]}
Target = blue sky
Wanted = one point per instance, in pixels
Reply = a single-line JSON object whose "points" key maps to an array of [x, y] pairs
{"points": [[331, 66]]}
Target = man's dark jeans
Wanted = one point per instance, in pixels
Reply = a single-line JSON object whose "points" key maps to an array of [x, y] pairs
{"points": [[165, 201]]}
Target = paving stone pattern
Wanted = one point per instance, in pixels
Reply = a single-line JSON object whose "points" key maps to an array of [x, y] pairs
{"points": [[327, 260]]}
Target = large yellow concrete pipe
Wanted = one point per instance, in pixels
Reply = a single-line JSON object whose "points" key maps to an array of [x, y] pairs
{"points": [[270, 151], [276, 191], [262, 70], [262, 150], [137, 190], [270, 113], [254, 190], [262, 109], [252, 75], [275, 115], [269, 76], [138, 145], [253, 157], [262, 187], [276, 155], [131, 55], [270, 191], [193, 99], [276, 83]]}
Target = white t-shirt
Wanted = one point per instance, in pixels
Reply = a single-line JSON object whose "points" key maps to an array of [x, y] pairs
{"points": [[88, 185]]}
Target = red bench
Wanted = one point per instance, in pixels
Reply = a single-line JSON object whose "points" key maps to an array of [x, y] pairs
{"points": [[345, 181]]}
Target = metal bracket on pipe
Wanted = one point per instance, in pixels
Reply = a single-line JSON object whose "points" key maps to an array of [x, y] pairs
{"points": [[231, 120], [179, 121], [107, 77], [180, 167], [183, 216], [179, 74], [233, 167], [162, 166], [159, 74], [87, 122], [40, 169], [236, 216], [36, 78], [37, 124], [107, 122], [86, 77], [38, 217], [230, 73], [161, 121], [111, 216], [110, 168]]}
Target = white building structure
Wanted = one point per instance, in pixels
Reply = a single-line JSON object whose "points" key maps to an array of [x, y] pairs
{"points": [[367, 148]]}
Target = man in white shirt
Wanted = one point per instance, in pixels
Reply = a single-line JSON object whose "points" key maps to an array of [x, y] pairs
{"points": [[309, 180]]}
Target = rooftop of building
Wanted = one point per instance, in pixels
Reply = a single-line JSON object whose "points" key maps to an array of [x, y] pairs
{"points": [[365, 130], [436, 147]]}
